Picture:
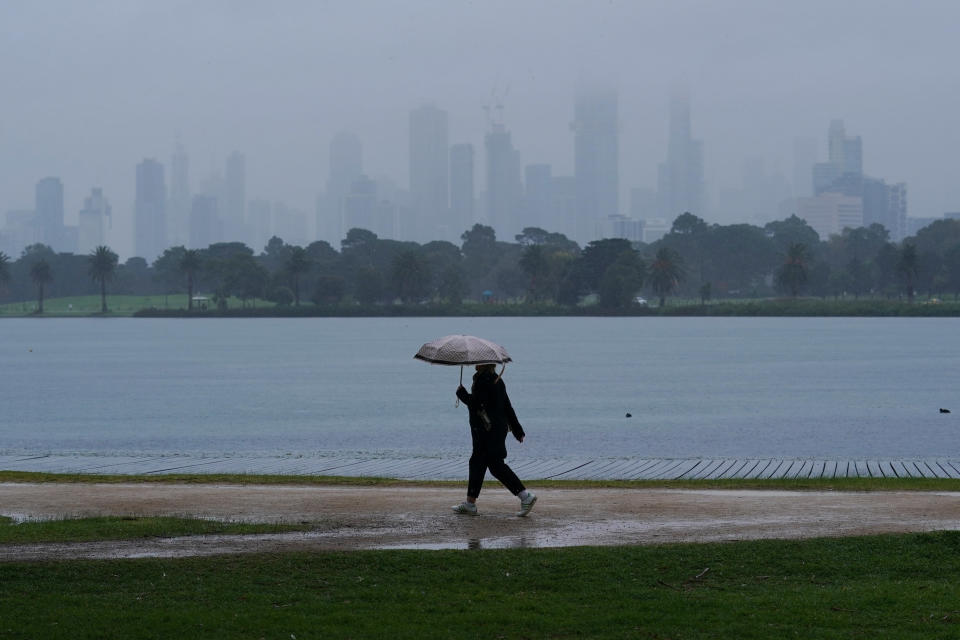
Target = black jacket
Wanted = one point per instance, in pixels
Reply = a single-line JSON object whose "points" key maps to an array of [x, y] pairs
{"points": [[490, 393]]}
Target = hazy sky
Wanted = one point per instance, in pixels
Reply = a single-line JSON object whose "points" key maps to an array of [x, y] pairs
{"points": [[90, 88]]}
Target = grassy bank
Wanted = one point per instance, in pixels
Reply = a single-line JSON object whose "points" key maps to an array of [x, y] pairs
{"points": [[174, 306], [885, 586], [795, 484]]}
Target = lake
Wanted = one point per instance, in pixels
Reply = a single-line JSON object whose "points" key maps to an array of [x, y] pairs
{"points": [[695, 387]]}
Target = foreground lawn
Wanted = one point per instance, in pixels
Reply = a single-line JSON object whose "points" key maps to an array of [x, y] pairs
{"points": [[884, 586], [126, 528]]}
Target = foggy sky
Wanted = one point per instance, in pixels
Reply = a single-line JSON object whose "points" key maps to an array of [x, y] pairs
{"points": [[91, 88]]}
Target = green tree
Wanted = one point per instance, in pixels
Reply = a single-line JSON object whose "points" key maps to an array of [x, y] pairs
{"points": [[452, 286], [951, 269], [792, 275], [621, 281], [297, 264], [534, 263], [706, 290], [908, 267], [792, 230], [41, 275], [666, 273], [189, 264], [368, 286], [329, 289], [410, 277], [102, 265], [4, 268]]}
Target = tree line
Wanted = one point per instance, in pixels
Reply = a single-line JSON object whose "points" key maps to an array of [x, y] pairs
{"points": [[695, 260]]}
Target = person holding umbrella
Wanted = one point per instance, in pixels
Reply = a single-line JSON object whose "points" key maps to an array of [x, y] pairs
{"points": [[491, 416]]}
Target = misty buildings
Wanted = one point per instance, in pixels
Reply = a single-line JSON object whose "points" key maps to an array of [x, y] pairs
{"points": [[596, 160], [538, 197], [93, 220], [49, 213], [150, 211], [840, 181], [178, 206], [346, 166], [462, 192], [204, 221], [504, 184], [233, 207], [680, 186], [829, 213], [429, 174]]}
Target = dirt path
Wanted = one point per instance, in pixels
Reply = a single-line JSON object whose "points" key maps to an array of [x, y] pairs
{"points": [[404, 517]]}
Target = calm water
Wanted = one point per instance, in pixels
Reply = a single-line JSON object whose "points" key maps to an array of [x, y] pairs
{"points": [[695, 386]]}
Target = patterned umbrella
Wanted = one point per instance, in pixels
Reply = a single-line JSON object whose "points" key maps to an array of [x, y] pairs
{"points": [[463, 350]]}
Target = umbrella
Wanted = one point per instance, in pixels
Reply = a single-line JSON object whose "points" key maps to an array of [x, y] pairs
{"points": [[463, 350]]}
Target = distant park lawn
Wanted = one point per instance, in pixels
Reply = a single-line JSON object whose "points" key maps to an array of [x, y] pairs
{"points": [[118, 305], [890, 586]]}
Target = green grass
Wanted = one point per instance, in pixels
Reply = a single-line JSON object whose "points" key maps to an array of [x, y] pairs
{"points": [[119, 305], [796, 484], [126, 528], [901, 586]]}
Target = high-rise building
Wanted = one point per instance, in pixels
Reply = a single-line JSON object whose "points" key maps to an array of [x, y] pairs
{"points": [[233, 208], [204, 221], [538, 197], [462, 195], [680, 179], [429, 173], [150, 211], [563, 196], [346, 165], [844, 159], [178, 210], [94, 218], [49, 212], [504, 183], [596, 159], [804, 157]]}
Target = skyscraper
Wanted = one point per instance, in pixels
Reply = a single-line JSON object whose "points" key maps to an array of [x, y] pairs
{"points": [[504, 184], [49, 212], [429, 177], [346, 166], [680, 180], [233, 209], [538, 197], [178, 218], [596, 159], [462, 196], [150, 211], [93, 220]]}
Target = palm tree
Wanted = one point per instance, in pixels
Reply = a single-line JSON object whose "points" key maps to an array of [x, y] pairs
{"points": [[297, 265], [908, 266], [666, 273], [41, 275], [189, 264], [792, 274], [103, 262]]}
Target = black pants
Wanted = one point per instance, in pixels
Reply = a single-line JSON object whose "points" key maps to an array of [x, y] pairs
{"points": [[489, 451]]}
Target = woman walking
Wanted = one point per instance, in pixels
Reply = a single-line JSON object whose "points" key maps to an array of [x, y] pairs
{"points": [[491, 416]]}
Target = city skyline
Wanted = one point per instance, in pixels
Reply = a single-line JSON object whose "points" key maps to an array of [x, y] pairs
{"points": [[277, 84]]}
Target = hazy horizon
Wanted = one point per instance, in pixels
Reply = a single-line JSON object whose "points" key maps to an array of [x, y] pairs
{"points": [[94, 88]]}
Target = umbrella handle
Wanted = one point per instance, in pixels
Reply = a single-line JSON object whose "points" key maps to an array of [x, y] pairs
{"points": [[457, 403]]}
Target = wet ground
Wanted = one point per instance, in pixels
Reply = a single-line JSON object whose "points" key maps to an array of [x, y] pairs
{"points": [[347, 518]]}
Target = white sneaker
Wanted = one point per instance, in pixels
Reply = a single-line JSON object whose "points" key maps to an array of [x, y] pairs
{"points": [[467, 508], [527, 504]]}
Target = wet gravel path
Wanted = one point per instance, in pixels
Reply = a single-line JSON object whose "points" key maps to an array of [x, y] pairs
{"points": [[349, 518]]}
